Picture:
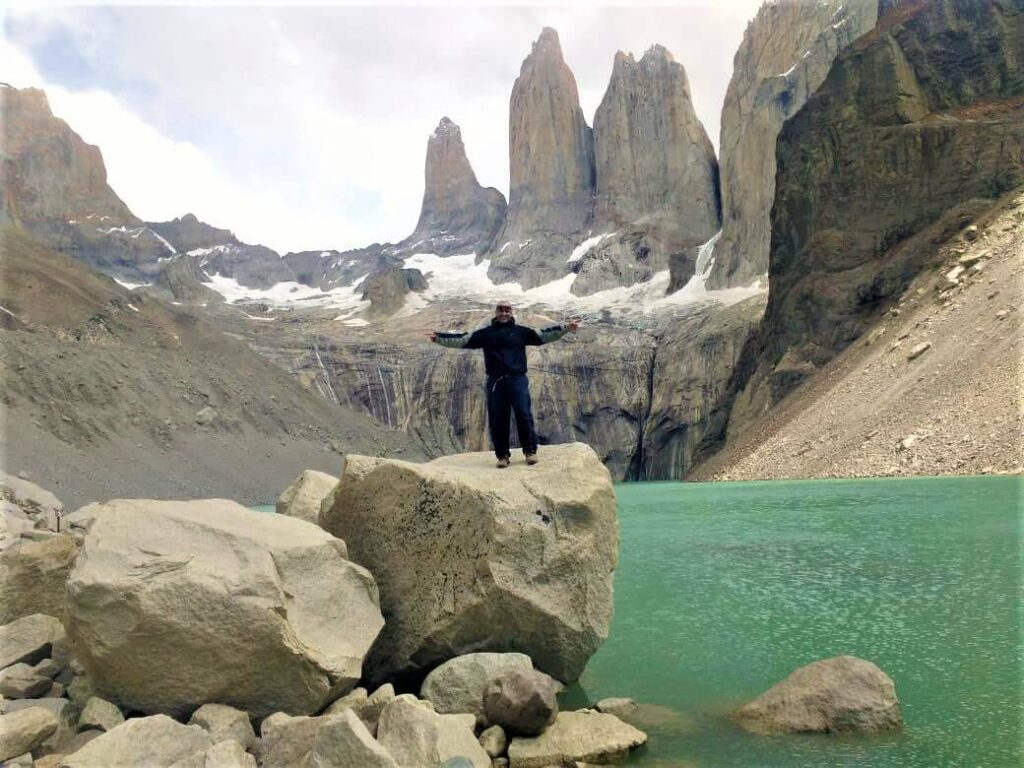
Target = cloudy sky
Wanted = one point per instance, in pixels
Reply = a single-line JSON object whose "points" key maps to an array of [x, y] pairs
{"points": [[306, 128]]}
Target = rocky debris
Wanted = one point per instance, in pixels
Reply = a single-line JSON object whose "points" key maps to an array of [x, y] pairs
{"points": [[494, 741], [206, 416], [455, 546], [585, 736], [101, 715], [287, 740], [228, 754], [155, 740], [831, 696], [367, 708], [457, 215], [302, 498], [223, 723], [458, 684], [522, 701], [415, 735], [786, 53], [20, 681], [182, 279], [285, 623], [829, 282], [24, 730], [33, 576], [551, 161], [344, 742], [28, 639]]}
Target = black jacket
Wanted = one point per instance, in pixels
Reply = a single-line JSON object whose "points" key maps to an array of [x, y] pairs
{"points": [[504, 344]]}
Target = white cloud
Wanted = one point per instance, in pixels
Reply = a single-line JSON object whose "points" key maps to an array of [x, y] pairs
{"points": [[306, 128]]}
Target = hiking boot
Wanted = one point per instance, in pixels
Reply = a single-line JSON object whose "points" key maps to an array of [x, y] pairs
{"points": [[531, 458], [503, 463]]}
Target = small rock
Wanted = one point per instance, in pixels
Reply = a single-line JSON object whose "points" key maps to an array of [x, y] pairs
{"points": [[224, 723], [1002, 314], [585, 736], [919, 350], [521, 701], [622, 708], [494, 741], [28, 639], [457, 686], [971, 233], [907, 443], [18, 681], [99, 714]]}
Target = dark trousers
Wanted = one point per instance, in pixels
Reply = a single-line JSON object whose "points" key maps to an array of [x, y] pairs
{"points": [[507, 395]]}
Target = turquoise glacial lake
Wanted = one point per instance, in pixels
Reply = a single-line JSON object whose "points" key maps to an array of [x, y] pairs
{"points": [[724, 589]]}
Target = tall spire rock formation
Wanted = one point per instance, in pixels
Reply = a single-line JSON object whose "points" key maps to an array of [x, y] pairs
{"points": [[786, 53], [458, 215], [551, 152], [657, 175]]}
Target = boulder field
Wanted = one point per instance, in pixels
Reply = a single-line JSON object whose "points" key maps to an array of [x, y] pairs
{"points": [[201, 633]]}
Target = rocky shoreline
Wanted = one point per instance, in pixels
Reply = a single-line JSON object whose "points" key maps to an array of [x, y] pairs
{"points": [[202, 634]]}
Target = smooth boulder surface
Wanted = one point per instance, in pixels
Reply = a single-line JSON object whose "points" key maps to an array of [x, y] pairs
{"points": [[101, 715], [144, 741], [831, 696], [173, 604], [522, 701], [472, 558], [457, 686], [302, 498], [415, 735], [584, 736]]}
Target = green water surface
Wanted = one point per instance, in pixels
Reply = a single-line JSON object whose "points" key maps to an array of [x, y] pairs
{"points": [[724, 589]]}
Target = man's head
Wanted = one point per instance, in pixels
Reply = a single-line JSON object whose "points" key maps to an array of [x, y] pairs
{"points": [[503, 311]]}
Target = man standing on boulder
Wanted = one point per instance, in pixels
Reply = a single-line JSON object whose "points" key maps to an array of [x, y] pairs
{"points": [[508, 390]]}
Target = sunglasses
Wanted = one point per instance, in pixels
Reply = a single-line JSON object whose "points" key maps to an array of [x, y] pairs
{"points": [[502, 308]]}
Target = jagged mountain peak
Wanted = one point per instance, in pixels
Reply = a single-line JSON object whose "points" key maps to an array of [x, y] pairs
{"points": [[547, 44], [446, 127]]}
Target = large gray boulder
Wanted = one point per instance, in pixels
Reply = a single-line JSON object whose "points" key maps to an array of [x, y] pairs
{"points": [[585, 736], [457, 686], [302, 498], [831, 696], [156, 740], [28, 639], [472, 558], [172, 604], [24, 730], [415, 735], [33, 577]]}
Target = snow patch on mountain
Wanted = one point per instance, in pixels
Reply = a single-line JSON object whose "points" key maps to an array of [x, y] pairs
{"points": [[290, 294]]}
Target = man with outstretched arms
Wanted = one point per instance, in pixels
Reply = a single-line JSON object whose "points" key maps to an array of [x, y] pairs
{"points": [[508, 390]]}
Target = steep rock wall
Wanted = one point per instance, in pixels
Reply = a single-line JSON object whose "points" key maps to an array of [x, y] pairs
{"points": [[786, 53], [932, 106]]}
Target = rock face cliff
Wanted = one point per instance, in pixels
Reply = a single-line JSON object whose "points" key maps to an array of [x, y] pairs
{"points": [[656, 174], [643, 399], [458, 215], [932, 108], [551, 163], [786, 53]]}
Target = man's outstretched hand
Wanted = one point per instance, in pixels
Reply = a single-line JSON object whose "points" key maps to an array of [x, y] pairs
{"points": [[573, 325], [432, 335]]}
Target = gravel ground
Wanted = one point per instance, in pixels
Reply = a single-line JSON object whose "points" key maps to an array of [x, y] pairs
{"points": [[934, 389]]}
